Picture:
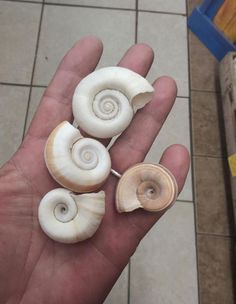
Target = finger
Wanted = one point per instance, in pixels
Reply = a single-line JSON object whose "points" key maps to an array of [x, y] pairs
{"points": [[176, 159], [139, 59], [129, 228], [133, 145], [55, 105]]}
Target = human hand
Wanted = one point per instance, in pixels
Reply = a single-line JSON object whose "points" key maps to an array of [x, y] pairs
{"points": [[36, 269]]}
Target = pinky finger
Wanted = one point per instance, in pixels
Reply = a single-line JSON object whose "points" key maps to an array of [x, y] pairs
{"points": [[176, 159]]}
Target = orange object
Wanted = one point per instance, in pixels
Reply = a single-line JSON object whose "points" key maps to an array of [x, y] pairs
{"points": [[225, 19]]}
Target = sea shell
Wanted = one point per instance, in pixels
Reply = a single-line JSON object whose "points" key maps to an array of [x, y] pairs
{"points": [[105, 101], [77, 163], [69, 218], [147, 186]]}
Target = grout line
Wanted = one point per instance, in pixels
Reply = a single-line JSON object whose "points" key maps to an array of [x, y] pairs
{"points": [[90, 6], [205, 91], [23, 1], [15, 84], [184, 201], [71, 5], [33, 69], [38, 86], [223, 157], [22, 84], [162, 12], [216, 235], [99, 7], [192, 161], [182, 97]]}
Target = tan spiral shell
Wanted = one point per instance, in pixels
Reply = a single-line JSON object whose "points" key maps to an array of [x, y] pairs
{"points": [[148, 186], [77, 163]]}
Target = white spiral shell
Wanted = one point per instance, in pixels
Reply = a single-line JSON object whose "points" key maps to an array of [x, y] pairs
{"points": [[105, 101], [77, 163], [69, 218]]}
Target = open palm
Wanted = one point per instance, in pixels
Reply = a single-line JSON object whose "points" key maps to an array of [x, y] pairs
{"points": [[34, 268]]}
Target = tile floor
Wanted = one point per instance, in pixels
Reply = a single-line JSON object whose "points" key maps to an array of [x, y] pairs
{"points": [[213, 205], [163, 269]]}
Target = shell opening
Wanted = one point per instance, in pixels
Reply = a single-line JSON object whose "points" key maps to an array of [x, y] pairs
{"points": [[107, 103], [141, 100], [85, 155]]}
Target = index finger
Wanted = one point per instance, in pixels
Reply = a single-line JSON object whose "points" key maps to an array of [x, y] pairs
{"points": [[55, 105]]}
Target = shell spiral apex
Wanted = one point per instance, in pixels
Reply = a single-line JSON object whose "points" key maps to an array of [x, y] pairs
{"points": [[105, 101], [77, 163], [147, 186], [69, 218]]}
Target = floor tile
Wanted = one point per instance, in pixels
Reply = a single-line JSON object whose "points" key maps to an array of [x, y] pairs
{"points": [[207, 129], [101, 3], [29, 0], [13, 104], [177, 6], [18, 40], [119, 292], [203, 67], [175, 130], [215, 270], [35, 98], [63, 26], [163, 269], [167, 35], [213, 207]]}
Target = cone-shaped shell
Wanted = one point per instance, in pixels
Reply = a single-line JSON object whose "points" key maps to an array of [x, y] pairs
{"points": [[105, 101], [147, 186], [69, 218], [77, 163]]}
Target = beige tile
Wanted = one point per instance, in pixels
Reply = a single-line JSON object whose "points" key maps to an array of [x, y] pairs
{"points": [[35, 98], [163, 269], [119, 292], [63, 26], [13, 104], [175, 131], [177, 6], [203, 66], [213, 206], [206, 122], [30, 0], [19, 24], [101, 3], [167, 34], [215, 265]]}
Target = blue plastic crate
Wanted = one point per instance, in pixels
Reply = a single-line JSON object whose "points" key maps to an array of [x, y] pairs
{"points": [[201, 24]]}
